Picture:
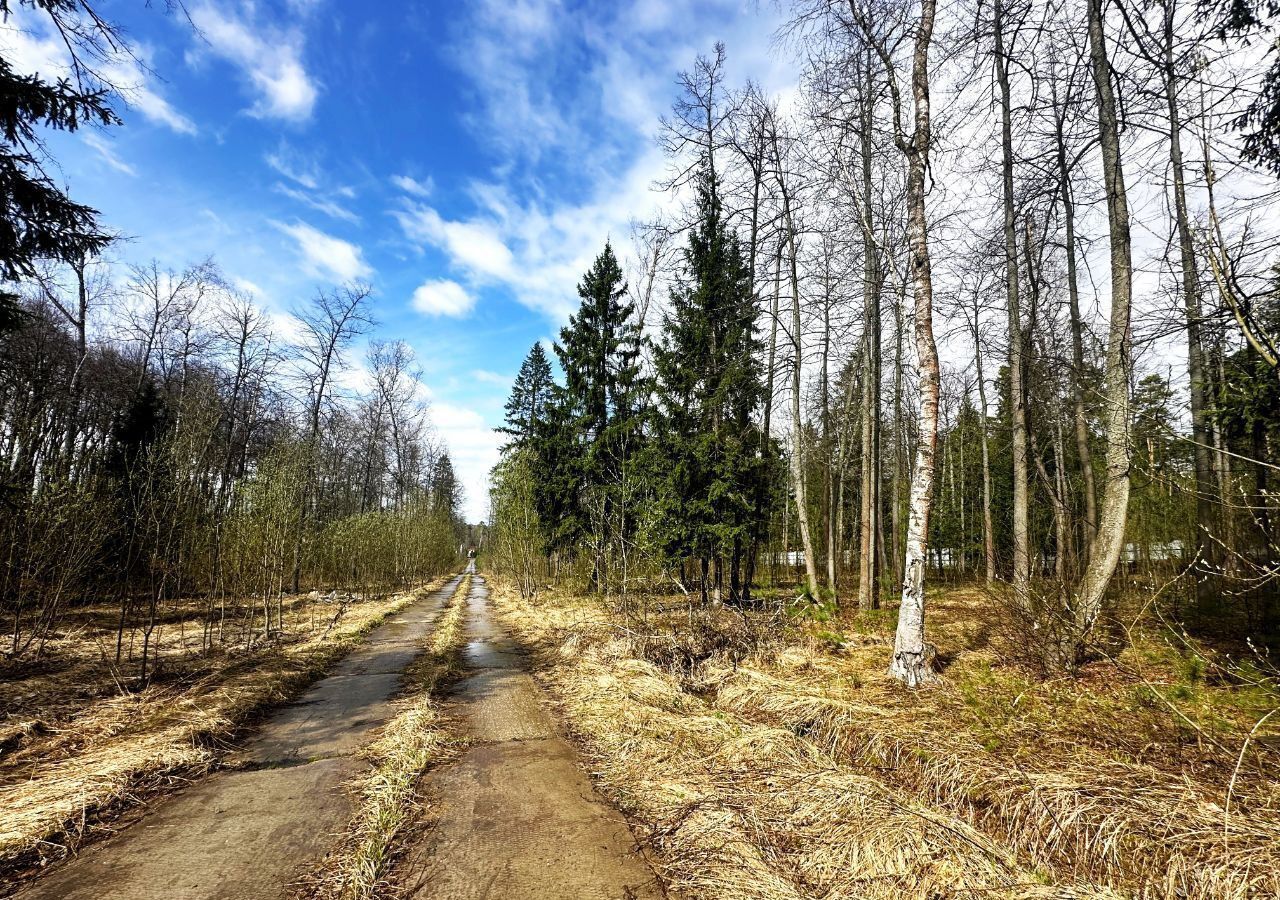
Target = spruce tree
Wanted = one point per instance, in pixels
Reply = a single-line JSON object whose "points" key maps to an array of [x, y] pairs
{"points": [[527, 406], [37, 218], [593, 422], [710, 457]]}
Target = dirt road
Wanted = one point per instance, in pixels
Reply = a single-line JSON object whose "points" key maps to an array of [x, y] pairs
{"points": [[515, 816], [518, 818], [250, 831]]}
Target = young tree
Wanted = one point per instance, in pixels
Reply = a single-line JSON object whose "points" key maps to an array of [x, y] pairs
{"points": [[526, 408], [595, 425]]}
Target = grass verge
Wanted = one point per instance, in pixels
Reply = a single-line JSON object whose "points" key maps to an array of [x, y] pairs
{"points": [[409, 745], [792, 767], [86, 752]]}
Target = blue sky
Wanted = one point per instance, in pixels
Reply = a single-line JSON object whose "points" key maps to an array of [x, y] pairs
{"points": [[468, 159]]}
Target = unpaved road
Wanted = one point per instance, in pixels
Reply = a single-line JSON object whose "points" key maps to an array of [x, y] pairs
{"points": [[249, 832], [517, 817]]}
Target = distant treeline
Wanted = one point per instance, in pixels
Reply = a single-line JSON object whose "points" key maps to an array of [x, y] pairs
{"points": [[160, 441]]}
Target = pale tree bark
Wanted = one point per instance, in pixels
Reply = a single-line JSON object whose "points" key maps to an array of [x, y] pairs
{"points": [[1107, 544], [911, 663]]}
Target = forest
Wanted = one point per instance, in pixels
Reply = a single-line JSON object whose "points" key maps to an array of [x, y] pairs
{"points": [[1062, 404], [952, 370], [892, 514]]}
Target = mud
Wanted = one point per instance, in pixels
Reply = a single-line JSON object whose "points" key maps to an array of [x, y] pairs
{"points": [[250, 832], [516, 815]]}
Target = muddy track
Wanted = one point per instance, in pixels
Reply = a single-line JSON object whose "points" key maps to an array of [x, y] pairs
{"points": [[516, 817], [251, 830]]}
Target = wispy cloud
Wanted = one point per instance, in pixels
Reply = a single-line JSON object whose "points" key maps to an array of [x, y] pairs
{"points": [[320, 204], [30, 46], [108, 154], [325, 254], [587, 131], [294, 166], [441, 297], [410, 185], [269, 59], [487, 377]]}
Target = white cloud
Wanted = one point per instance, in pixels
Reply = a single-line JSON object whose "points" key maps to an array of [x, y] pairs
{"points": [[578, 160], [442, 297], [326, 254], [320, 204], [494, 378], [473, 449], [540, 251], [127, 75], [31, 47], [292, 165], [244, 285], [475, 246], [270, 59], [108, 154], [411, 185]]}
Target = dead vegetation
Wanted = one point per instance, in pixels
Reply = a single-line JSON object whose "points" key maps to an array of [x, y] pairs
{"points": [[794, 767], [79, 746], [414, 741]]}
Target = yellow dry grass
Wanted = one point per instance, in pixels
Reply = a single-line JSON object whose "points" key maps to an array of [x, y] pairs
{"points": [[802, 771], [408, 746], [85, 748]]}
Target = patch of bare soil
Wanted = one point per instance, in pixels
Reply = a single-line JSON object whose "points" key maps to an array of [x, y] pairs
{"points": [[81, 751]]}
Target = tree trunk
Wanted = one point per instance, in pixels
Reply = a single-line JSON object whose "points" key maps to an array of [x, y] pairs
{"points": [[868, 595], [797, 426], [1017, 344], [911, 659], [1080, 416], [988, 530], [1104, 553], [1205, 549]]}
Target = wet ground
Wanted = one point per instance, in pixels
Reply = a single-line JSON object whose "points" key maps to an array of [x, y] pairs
{"points": [[518, 818], [515, 816], [251, 831]]}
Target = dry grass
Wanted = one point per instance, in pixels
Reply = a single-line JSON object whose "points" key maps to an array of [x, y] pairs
{"points": [[409, 745], [79, 748], [800, 770]]}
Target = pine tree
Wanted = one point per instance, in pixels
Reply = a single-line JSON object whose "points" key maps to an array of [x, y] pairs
{"points": [[710, 455], [446, 493], [527, 406]]}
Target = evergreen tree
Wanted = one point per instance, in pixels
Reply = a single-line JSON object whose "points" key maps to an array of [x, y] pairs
{"points": [[710, 455], [446, 493], [593, 423], [37, 218], [527, 406]]}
